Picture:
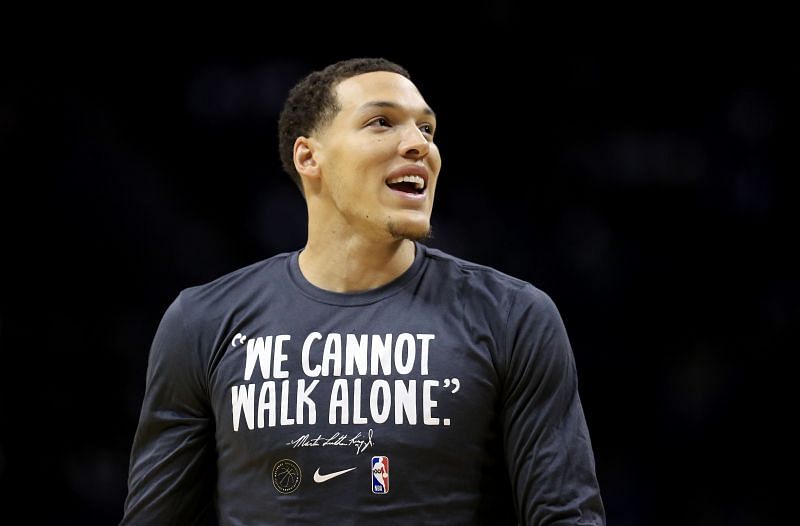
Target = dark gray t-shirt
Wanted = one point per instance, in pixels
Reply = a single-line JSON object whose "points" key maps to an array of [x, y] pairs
{"points": [[448, 396]]}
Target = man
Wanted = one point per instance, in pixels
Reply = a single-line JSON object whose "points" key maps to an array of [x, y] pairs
{"points": [[366, 377]]}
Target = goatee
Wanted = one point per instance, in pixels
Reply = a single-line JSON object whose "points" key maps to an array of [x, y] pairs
{"points": [[399, 233]]}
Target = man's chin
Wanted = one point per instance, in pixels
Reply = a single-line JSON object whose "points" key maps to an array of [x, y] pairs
{"points": [[414, 232]]}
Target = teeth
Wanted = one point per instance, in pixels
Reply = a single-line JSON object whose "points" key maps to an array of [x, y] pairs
{"points": [[418, 181]]}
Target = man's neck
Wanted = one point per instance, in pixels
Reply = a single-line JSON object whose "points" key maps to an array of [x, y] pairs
{"points": [[355, 264]]}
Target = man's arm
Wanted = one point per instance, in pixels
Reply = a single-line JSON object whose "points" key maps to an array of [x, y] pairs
{"points": [[172, 465], [546, 440]]}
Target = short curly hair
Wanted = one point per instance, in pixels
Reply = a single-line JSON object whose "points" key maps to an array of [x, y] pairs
{"points": [[312, 103]]}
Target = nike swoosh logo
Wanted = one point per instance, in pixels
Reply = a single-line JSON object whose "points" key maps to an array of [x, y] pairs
{"points": [[324, 478]]}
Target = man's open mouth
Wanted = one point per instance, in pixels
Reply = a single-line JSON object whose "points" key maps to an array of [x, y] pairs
{"points": [[410, 184]]}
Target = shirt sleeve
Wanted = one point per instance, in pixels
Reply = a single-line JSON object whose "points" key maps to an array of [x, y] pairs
{"points": [[546, 440], [171, 478]]}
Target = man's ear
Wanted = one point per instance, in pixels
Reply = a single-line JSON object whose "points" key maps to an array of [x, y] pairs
{"points": [[305, 157]]}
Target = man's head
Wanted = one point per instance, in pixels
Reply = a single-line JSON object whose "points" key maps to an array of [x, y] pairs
{"points": [[357, 137], [312, 103]]}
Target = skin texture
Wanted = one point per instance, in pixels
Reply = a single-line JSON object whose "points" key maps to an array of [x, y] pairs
{"points": [[360, 231]]}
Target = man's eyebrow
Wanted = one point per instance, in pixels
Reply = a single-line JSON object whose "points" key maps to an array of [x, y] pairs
{"points": [[393, 105]]}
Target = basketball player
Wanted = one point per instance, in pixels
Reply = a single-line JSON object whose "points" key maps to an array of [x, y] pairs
{"points": [[365, 377]]}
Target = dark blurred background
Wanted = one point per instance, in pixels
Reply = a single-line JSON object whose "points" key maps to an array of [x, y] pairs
{"points": [[643, 181]]}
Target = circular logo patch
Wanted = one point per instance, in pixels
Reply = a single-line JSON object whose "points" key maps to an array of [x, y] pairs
{"points": [[286, 475]]}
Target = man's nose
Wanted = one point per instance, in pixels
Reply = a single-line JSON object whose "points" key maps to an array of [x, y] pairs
{"points": [[414, 144]]}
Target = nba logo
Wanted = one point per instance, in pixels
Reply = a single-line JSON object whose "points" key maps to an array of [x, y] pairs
{"points": [[380, 475]]}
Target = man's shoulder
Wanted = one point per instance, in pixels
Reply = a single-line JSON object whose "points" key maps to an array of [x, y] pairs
{"points": [[464, 267], [488, 293], [479, 277], [240, 281]]}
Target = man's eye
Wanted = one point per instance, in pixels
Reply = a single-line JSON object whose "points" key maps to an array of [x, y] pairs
{"points": [[427, 129], [379, 121]]}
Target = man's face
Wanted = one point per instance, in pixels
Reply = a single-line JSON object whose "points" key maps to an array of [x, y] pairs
{"points": [[377, 159]]}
